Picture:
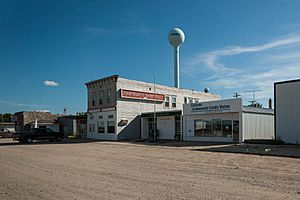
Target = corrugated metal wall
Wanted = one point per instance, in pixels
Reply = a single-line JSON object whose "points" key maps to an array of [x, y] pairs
{"points": [[258, 126], [287, 110]]}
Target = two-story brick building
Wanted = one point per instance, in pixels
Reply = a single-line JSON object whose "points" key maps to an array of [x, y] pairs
{"points": [[115, 107]]}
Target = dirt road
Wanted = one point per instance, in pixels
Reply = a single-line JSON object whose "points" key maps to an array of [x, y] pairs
{"points": [[111, 170]]}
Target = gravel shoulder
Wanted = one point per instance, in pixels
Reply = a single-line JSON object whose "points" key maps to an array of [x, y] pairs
{"points": [[121, 170]]}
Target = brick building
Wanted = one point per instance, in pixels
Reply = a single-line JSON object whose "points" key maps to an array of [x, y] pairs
{"points": [[115, 107]]}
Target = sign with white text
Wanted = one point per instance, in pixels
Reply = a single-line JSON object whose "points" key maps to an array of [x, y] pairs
{"points": [[221, 106]]}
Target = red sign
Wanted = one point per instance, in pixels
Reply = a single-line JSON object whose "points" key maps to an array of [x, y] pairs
{"points": [[130, 94]]}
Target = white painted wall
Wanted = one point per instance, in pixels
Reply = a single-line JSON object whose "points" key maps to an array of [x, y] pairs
{"points": [[287, 111], [214, 111], [130, 109], [95, 119], [258, 126], [166, 127]]}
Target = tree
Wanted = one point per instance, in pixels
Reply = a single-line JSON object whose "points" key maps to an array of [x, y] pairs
{"points": [[6, 117]]}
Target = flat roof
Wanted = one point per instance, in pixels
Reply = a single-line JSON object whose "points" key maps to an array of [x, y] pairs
{"points": [[288, 81], [248, 109], [117, 76]]}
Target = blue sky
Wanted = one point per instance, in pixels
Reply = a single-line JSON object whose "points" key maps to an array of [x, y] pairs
{"points": [[49, 49]]}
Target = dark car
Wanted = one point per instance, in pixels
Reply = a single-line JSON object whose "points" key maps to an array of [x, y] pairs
{"points": [[37, 134]]}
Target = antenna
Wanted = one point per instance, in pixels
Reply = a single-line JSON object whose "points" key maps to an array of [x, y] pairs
{"points": [[176, 38], [253, 96], [236, 95]]}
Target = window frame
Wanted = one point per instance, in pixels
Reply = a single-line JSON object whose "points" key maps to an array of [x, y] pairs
{"points": [[108, 127], [167, 103], [101, 127], [173, 104]]}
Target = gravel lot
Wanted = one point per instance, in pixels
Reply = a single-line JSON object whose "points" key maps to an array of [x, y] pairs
{"points": [[120, 170]]}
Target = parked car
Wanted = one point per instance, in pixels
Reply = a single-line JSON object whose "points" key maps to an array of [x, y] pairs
{"points": [[37, 134]]}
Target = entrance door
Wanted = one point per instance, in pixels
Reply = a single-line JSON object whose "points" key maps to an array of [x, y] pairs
{"points": [[236, 132], [151, 127], [177, 128]]}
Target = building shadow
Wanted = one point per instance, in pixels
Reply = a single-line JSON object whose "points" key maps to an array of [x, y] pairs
{"points": [[129, 129], [10, 142], [291, 151], [174, 143]]}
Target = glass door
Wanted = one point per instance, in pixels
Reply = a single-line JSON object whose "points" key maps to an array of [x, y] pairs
{"points": [[236, 132]]}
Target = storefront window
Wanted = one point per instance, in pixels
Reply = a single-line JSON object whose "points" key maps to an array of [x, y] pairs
{"points": [[213, 128], [217, 127], [202, 128], [227, 128], [110, 127], [198, 128], [101, 128]]}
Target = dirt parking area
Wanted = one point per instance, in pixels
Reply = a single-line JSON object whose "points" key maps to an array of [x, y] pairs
{"points": [[123, 170]]}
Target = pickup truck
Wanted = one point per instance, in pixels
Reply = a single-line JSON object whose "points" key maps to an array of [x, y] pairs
{"points": [[37, 134]]}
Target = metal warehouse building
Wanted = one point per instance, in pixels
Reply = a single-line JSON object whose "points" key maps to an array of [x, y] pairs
{"points": [[226, 121], [115, 107], [287, 111]]}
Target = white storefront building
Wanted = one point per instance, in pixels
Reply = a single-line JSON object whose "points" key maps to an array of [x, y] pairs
{"points": [[116, 106], [226, 121]]}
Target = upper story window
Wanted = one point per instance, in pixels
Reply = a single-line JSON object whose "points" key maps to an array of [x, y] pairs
{"points": [[93, 98], [108, 96], [173, 102], [196, 100], [185, 99], [100, 117], [190, 100], [110, 116], [100, 97], [167, 101]]}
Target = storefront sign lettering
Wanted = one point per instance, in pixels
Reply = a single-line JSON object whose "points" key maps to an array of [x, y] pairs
{"points": [[130, 94], [198, 107]]}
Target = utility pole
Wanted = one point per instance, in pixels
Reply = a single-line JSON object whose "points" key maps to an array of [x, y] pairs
{"points": [[236, 95], [154, 108]]}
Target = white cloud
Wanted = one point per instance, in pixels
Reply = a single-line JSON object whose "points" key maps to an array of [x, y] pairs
{"points": [[94, 31], [97, 31], [51, 83], [275, 61], [14, 104]]}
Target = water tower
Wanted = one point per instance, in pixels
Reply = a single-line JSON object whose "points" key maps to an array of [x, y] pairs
{"points": [[176, 38]]}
